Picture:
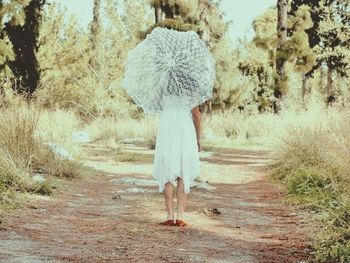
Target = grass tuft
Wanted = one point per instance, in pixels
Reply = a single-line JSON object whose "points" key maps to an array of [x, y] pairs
{"points": [[313, 164]]}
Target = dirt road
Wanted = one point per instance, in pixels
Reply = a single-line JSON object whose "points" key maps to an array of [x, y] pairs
{"points": [[113, 215]]}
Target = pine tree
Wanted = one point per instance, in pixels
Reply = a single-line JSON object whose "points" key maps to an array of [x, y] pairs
{"points": [[95, 32], [122, 34], [181, 15], [261, 55], [329, 37], [256, 60], [301, 53], [334, 31], [10, 12], [281, 56], [205, 18], [125, 21], [212, 31], [68, 80], [202, 16], [24, 41]]}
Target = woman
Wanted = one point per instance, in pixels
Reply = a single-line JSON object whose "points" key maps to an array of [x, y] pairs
{"points": [[172, 72], [176, 154]]}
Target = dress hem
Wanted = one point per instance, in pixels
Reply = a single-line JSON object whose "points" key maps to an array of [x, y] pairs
{"points": [[187, 188]]}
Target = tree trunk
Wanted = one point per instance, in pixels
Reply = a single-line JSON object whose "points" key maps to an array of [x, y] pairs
{"points": [[163, 10], [204, 16], [321, 82], [94, 34], [2, 84], [304, 90], [24, 40], [95, 26], [280, 83], [169, 11], [205, 36], [158, 14], [329, 87]]}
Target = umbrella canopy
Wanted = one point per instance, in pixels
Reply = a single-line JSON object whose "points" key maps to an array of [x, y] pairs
{"points": [[169, 64]]}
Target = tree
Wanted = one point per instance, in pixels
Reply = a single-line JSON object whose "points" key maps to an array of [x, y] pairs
{"points": [[334, 31], [212, 31], [10, 12], [63, 57], [213, 28], [281, 56], [125, 23], [205, 18], [301, 54], [24, 40], [95, 31], [256, 61], [177, 14], [202, 16], [329, 37], [67, 78]]}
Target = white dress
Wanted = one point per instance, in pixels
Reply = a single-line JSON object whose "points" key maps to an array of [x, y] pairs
{"points": [[176, 150]]}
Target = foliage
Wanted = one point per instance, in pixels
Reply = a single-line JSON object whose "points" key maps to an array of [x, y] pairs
{"points": [[307, 47], [230, 84], [334, 37], [177, 14], [65, 72], [13, 12], [298, 44], [256, 60], [183, 7], [24, 40], [328, 38], [68, 80], [313, 164]]}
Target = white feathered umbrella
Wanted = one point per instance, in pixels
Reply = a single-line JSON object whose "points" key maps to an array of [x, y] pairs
{"points": [[169, 62]]}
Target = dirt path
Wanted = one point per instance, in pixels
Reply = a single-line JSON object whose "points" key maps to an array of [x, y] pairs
{"points": [[113, 217]]}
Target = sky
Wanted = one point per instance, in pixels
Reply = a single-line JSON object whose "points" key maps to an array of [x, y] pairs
{"points": [[242, 13]]}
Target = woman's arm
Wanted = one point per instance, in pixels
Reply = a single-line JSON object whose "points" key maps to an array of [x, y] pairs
{"points": [[196, 116]]}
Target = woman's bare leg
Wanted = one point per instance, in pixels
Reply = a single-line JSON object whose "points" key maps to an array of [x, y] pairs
{"points": [[181, 198], [168, 195]]}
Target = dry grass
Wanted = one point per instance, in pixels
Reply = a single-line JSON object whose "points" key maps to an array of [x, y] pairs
{"points": [[58, 126], [233, 128], [24, 154], [312, 161], [311, 150], [17, 126], [121, 129]]}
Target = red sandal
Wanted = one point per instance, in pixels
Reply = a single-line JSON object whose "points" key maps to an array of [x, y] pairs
{"points": [[180, 223], [169, 222]]}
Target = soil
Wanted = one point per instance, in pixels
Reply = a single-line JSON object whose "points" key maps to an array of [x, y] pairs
{"points": [[101, 218]]}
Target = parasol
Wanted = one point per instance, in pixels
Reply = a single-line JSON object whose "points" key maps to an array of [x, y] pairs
{"points": [[169, 64]]}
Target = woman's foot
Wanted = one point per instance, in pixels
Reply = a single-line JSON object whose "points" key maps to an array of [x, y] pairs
{"points": [[180, 222], [169, 222]]}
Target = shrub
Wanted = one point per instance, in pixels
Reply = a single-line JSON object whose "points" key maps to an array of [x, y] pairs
{"points": [[313, 164], [23, 154]]}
